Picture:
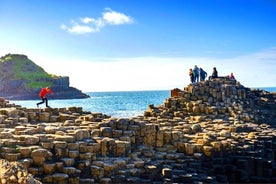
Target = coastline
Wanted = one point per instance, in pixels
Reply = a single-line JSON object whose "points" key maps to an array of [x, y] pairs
{"points": [[118, 103], [269, 89], [212, 132]]}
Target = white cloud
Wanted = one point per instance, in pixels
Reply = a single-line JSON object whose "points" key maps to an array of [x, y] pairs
{"points": [[90, 25], [82, 29], [87, 20], [267, 54], [156, 73], [116, 18]]}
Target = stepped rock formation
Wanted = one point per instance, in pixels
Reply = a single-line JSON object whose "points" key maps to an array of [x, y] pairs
{"points": [[216, 131], [22, 79], [13, 172]]}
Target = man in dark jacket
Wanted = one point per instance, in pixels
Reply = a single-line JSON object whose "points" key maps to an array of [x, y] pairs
{"points": [[202, 74]]}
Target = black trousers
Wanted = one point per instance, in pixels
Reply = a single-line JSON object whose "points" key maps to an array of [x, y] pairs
{"points": [[44, 100]]}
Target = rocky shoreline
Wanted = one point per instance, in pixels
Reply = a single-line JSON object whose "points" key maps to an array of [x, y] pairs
{"points": [[216, 131]]}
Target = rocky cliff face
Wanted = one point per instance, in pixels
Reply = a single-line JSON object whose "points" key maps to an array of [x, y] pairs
{"points": [[216, 131], [22, 79]]}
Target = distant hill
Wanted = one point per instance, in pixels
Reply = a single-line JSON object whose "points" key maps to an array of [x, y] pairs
{"points": [[22, 79]]}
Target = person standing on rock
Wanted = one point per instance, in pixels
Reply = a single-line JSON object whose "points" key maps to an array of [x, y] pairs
{"points": [[191, 74], [43, 92], [196, 74], [202, 74]]}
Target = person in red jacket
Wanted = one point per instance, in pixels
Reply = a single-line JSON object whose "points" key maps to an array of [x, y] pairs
{"points": [[42, 94]]}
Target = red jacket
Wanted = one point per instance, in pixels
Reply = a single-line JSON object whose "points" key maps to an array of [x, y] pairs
{"points": [[44, 91]]}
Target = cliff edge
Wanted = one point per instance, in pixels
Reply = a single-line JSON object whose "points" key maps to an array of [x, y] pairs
{"points": [[22, 79]]}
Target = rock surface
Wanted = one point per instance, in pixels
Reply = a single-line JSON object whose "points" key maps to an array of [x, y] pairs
{"points": [[216, 131], [13, 172]]}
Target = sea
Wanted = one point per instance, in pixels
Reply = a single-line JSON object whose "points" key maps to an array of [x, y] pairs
{"points": [[120, 104]]}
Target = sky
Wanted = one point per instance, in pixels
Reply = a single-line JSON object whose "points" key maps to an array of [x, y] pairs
{"points": [[126, 45]]}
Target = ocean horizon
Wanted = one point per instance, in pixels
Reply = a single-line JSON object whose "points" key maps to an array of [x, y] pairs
{"points": [[121, 104]]}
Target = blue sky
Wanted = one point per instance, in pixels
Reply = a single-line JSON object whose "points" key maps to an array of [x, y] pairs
{"points": [[106, 45]]}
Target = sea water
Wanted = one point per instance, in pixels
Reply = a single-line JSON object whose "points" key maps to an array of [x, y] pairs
{"points": [[117, 104]]}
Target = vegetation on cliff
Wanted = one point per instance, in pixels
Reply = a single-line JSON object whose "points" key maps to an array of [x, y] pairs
{"points": [[21, 78], [20, 67]]}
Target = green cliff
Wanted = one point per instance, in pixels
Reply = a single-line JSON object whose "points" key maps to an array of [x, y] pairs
{"points": [[21, 79]]}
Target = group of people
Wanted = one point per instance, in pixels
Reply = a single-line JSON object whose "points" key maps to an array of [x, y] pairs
{"points": [[198, 74]]}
